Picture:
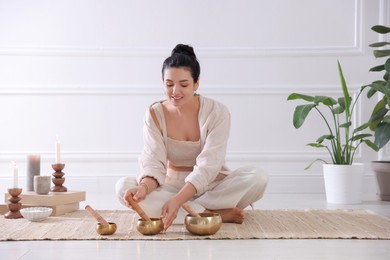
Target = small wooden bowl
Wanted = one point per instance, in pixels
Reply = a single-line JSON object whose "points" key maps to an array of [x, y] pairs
{"points": [[106, 230], [152, 227], [206, 224]]}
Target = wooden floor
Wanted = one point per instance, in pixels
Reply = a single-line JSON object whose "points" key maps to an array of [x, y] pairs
{"points": [[205, 249]]}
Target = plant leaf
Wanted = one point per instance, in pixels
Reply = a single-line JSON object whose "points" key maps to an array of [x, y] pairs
{"points": [[379, 44], [387, 93], [295, 96], [380, 29], [377, 114], [342, 101], [359, 137], [301, 113], [362, 127], [322, 138], [345, 125], [386, 119], [378, 68], [371, 92], [382, 134], [316, 145], [327, 101], [379, 85], [338, 110], [347, 98], [387, 65], [316, 160], [381, 53], [371, 145], [350, 147]]}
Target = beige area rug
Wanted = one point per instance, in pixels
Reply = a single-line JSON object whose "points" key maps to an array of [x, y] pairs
{"points": [[259, 224]]}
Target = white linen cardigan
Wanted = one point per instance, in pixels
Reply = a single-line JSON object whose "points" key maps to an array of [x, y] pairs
{"points": [[214, 124]]}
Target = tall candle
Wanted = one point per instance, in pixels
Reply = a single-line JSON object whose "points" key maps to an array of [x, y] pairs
{"points": [[33, 169], [58, 150], [15, 173]]}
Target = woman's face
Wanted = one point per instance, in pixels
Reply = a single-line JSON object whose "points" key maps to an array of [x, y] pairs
{"points": [[179, 85]]}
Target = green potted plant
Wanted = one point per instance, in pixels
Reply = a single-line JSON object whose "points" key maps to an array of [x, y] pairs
{"points": [[380, 117], [343, 179]]}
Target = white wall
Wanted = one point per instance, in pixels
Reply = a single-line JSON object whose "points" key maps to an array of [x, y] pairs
{"points": [[87, 70]]}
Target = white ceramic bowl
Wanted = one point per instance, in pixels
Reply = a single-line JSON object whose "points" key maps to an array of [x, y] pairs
{"points": [[36, 213]]}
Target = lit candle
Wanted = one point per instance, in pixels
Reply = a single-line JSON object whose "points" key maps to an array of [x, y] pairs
{"points": [[58, 150], [15, 171]]}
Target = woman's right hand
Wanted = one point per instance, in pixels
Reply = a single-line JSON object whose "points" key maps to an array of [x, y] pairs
{"points": [[138, 194]]}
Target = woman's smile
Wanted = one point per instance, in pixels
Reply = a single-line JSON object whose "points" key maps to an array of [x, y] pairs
{"points": [[179, 86]]}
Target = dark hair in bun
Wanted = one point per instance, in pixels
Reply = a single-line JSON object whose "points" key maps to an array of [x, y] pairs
{"points": [[183, 56]]}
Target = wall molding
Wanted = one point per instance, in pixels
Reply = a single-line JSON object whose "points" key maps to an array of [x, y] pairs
{"points": [[213, 52], [74, 156], [132, 156], [155, 89], [286, 183], [384, 17], [120, 52]]}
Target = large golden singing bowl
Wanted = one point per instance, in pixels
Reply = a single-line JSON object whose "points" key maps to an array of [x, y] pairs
{"points": [[106, 230], [206, 224], [152, 227]]}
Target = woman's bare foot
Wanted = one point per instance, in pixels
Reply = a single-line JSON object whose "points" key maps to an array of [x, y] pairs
{"points": [[234, 215]]}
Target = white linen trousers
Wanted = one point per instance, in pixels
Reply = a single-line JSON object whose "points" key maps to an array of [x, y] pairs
{"points": [[239, 188]]}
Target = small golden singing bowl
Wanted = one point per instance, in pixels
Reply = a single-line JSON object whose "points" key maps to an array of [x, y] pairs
{"points": [[152, 227], [106, 230], [207, 224]]}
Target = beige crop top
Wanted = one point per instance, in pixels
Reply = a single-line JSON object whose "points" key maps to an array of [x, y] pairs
{"points": [[180, 153]]}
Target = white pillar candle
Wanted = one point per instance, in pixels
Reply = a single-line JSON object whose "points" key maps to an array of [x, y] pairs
{"points": [[15, 173], [58, 150]]}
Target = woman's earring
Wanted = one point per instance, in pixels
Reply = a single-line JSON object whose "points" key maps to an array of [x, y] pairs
{"points": [[195, 94]]}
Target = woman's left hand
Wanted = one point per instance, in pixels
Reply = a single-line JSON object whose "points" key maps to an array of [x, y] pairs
{"points": [[169, 212]]}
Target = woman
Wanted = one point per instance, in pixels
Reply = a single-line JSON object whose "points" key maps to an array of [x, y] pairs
{"points": [[185, 140]]}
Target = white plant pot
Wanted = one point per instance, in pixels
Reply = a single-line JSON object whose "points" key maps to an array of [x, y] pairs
{"points": [[343, 183]]}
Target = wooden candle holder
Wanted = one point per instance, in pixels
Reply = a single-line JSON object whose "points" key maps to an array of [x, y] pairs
{"points": [[58, 179], [14, 206]]}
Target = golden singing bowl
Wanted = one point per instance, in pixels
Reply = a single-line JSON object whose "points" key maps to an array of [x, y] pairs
{"points": [[106, 230], [206, 224], [152, 227]]}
